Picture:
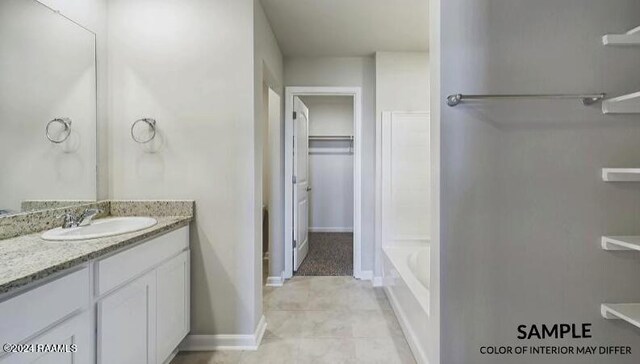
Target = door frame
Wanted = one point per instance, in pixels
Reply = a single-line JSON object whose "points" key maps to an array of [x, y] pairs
{"points": [[356, 93]]}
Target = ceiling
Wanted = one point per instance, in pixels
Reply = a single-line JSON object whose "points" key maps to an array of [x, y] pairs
{"points": [[316, 28]]}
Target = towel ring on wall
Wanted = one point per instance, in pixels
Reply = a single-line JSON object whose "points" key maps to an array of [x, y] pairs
{"points": [[151, 123], [67, 129]]}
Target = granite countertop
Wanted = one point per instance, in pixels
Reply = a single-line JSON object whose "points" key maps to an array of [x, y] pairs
{"points": [[28, 258]]}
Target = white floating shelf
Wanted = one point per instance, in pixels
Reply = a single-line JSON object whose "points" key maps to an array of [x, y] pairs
{"points": [[629, 312], [621, 243], [621, 174], [631, 38], [627, 104]]}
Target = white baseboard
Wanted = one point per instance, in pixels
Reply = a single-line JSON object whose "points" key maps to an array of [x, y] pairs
{"points": [[172, 356], [365, 275], [330, 229], [260, 330], [275, 281], [225, 342], [377, 282]]}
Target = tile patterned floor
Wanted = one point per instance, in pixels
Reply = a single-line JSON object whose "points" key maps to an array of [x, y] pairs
{"points": [[335, 320]]}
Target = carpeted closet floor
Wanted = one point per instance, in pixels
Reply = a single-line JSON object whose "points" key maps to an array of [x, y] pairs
{"points": [[330, 254]]}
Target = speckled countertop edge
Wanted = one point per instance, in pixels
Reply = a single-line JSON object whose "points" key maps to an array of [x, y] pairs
{"points": [[29, 258], [28, 222]]}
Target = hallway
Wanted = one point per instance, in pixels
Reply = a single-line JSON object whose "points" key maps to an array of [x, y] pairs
{"points": [[321, 320]]}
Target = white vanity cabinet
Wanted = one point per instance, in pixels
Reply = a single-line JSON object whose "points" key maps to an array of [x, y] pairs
{"points": [[131, 307], [144, 313]]}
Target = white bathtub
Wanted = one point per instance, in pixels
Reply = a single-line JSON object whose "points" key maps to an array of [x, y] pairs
{"points": [[406, 283]]}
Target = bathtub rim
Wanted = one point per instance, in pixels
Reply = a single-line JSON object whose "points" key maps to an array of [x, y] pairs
{"points": [[399, 258]]}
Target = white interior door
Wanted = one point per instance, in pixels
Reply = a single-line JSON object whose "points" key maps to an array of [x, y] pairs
{"points": [[301, 186]]}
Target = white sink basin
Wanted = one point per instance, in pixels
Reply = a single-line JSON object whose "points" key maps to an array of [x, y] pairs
{"points": [[101, 228]]}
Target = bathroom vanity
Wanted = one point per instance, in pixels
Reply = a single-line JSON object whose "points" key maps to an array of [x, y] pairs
{"points": [[118, 299]]}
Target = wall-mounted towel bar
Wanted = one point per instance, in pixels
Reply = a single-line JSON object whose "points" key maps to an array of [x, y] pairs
{"points": [[587, 99]]}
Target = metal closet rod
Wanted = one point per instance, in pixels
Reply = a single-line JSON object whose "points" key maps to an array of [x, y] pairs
{"points": [[587, 99], [341, 137]]}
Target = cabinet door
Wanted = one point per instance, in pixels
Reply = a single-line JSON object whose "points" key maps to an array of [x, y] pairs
{"points": [[172, 304], [72, 339], [126, 324]]}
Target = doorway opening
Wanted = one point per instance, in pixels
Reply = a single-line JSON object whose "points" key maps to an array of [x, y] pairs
{"points": [[330, 186], [322, 181], [272, 204]]}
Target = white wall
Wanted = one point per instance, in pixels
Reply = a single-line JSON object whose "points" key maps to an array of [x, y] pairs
{"points": [[331, 199], [356, 72], [269, 157], [190, 65], [264, 119], [332, 115], [330, 164], [402, 84], [402, 81], [276, 185], [92, 14], [404, 169], [435, 97]]}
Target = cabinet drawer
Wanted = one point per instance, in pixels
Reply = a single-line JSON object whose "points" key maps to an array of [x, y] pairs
{"points": [[74, 331], [27, 314], [113, 271]]}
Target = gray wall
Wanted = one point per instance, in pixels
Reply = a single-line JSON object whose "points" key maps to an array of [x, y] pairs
{"points": [[523, 205], [269, 146], [190, 65]]}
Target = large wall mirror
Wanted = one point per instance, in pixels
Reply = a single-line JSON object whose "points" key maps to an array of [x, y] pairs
{"points": [[47, 108]]}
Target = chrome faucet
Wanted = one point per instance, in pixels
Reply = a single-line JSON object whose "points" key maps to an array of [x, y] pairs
{"points": [[70, 220], [87, 216]]}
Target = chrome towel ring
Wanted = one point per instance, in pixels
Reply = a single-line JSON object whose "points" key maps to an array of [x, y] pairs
{"points": [[152, 125], [66, 122]]}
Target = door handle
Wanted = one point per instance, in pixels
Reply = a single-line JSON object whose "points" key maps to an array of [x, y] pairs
{"points": [[308, 188]]}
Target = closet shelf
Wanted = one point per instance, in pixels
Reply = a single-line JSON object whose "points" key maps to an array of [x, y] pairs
{"points": [[621, 243], [621, 174], [631, 38], [331, 138], [629, 312], [626, 104]]}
